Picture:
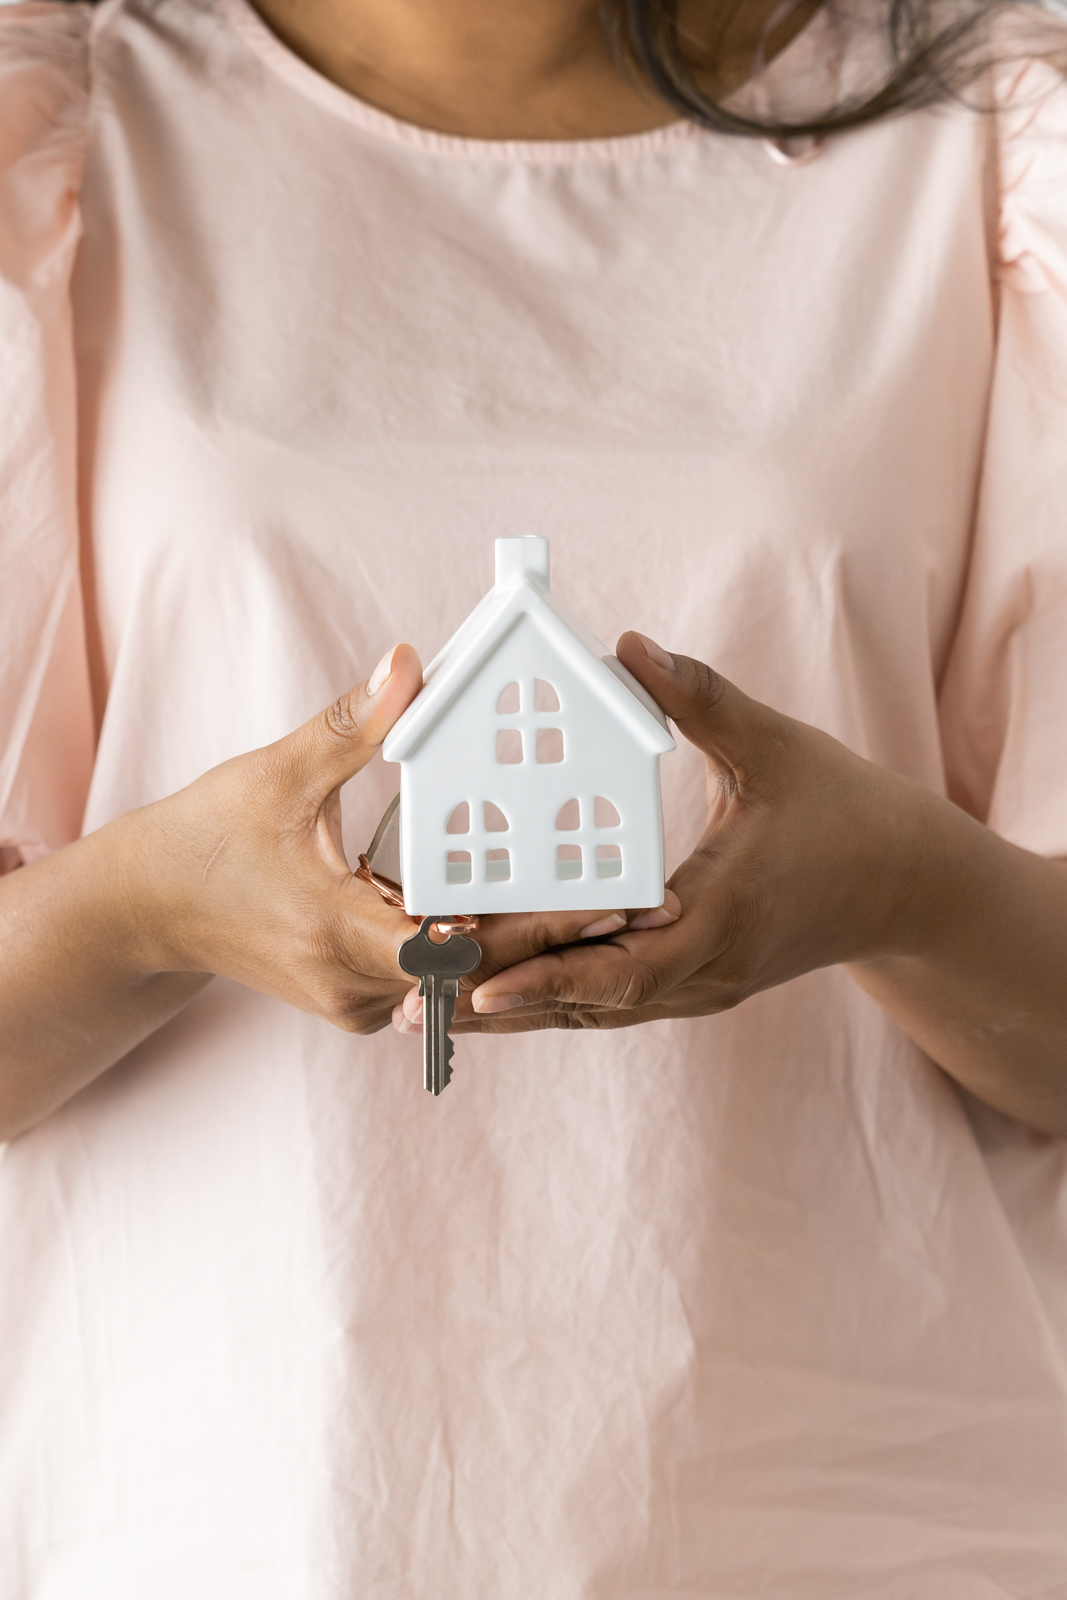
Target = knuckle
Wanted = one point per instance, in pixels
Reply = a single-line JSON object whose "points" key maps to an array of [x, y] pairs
{"points": [[710, 686], [568, 1017], [542, 933], [613, 990], [643, 986], [730, 997], [584, 1021], [346, 1007], [729, 993], [593, 1019], [341, 720]]}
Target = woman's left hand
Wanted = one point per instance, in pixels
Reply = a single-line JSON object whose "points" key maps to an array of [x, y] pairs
{"points": [[811, 856]]}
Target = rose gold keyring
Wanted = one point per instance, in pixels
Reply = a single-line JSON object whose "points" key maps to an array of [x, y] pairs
{"points": [[393, 895], [391, 892]]}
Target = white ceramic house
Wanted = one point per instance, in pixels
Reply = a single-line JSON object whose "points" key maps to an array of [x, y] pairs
{"points": [[529, 762]]}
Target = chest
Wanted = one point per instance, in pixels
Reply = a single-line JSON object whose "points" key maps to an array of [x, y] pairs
{"points": [[321, 370]]}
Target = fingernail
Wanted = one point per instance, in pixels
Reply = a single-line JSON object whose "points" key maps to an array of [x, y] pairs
{"points": [[412, 1006], [610, 924], [496, 1002], [659, 918], [656, 653], [381, 672]]}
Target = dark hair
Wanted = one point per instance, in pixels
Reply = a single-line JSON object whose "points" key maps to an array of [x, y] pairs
{"points": [[914, 53]]}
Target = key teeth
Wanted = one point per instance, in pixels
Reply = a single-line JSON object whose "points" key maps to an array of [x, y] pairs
{"points": [[446, 1069]]}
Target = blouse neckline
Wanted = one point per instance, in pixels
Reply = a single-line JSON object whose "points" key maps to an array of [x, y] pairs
{"points": [[298, 74]]}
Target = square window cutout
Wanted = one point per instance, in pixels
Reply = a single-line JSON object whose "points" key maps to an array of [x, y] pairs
{"points": [[458, 866], [550, 744], [568, 861], [497, 866], [608, 861], [509, 747]]}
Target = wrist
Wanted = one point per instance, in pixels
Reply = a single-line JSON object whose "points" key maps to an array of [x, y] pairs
{"points": [[145, 895], [934, 866]]}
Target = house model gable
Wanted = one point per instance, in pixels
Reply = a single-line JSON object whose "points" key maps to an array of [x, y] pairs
{"points": [[529, 762]]}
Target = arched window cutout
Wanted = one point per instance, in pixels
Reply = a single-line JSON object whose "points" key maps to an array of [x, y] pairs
{"points": [[549, 744], [460, 820], [568, 861], [497, 866], [608, 861], [568, 817], [545, 697], [509, 747], [508, 704], [495, 820], [458, 866], [605, 814]]}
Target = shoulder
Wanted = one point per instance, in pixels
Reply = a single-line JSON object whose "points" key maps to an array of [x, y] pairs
{"points": [[1030, 118], [44, 103], [44, 70]]}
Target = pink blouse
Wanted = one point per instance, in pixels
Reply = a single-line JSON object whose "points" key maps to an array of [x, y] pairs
{"points": [[744, 1305]]}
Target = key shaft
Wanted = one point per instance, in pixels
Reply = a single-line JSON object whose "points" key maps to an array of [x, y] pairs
{"points": [[439, 967], [438, 1008]]}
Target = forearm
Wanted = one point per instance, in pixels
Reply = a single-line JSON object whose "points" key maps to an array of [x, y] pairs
{"points": [[79, 986], [980, 978]]}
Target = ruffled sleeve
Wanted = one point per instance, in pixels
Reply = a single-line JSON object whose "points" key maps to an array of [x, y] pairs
{"points": [[1004, 692], [46, 728]]}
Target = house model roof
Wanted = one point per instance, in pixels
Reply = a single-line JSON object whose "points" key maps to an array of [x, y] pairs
{"points": [[522, 591]]}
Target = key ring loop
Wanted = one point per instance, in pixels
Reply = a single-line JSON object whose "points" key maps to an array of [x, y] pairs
{"points": [[393, 895], [391, 892]]}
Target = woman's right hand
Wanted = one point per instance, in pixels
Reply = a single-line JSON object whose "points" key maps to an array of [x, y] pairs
{"points": [[243, 873]]}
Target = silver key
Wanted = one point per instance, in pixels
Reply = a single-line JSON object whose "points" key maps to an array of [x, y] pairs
{"points": [[439, 968]]}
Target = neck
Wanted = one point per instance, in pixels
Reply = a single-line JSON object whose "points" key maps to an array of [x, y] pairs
{"points": [[491, 69], [513, 69]]}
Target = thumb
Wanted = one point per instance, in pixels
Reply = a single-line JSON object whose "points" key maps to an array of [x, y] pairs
{"points": [[339, 742], [711, 712]]}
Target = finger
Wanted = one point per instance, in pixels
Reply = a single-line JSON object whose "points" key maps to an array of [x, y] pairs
{"points": [[660, 916], [337, 743], [712, 713], [632, 969], [362, 932], [515, 936], [412, 1004], [571, 1018], [599, 975], [405, 1024]]}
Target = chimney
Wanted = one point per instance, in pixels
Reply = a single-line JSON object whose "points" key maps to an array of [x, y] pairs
{"points": [[522, 560]]}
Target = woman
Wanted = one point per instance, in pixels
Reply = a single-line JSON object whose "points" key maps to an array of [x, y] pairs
{"points": [[301, 308]]}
